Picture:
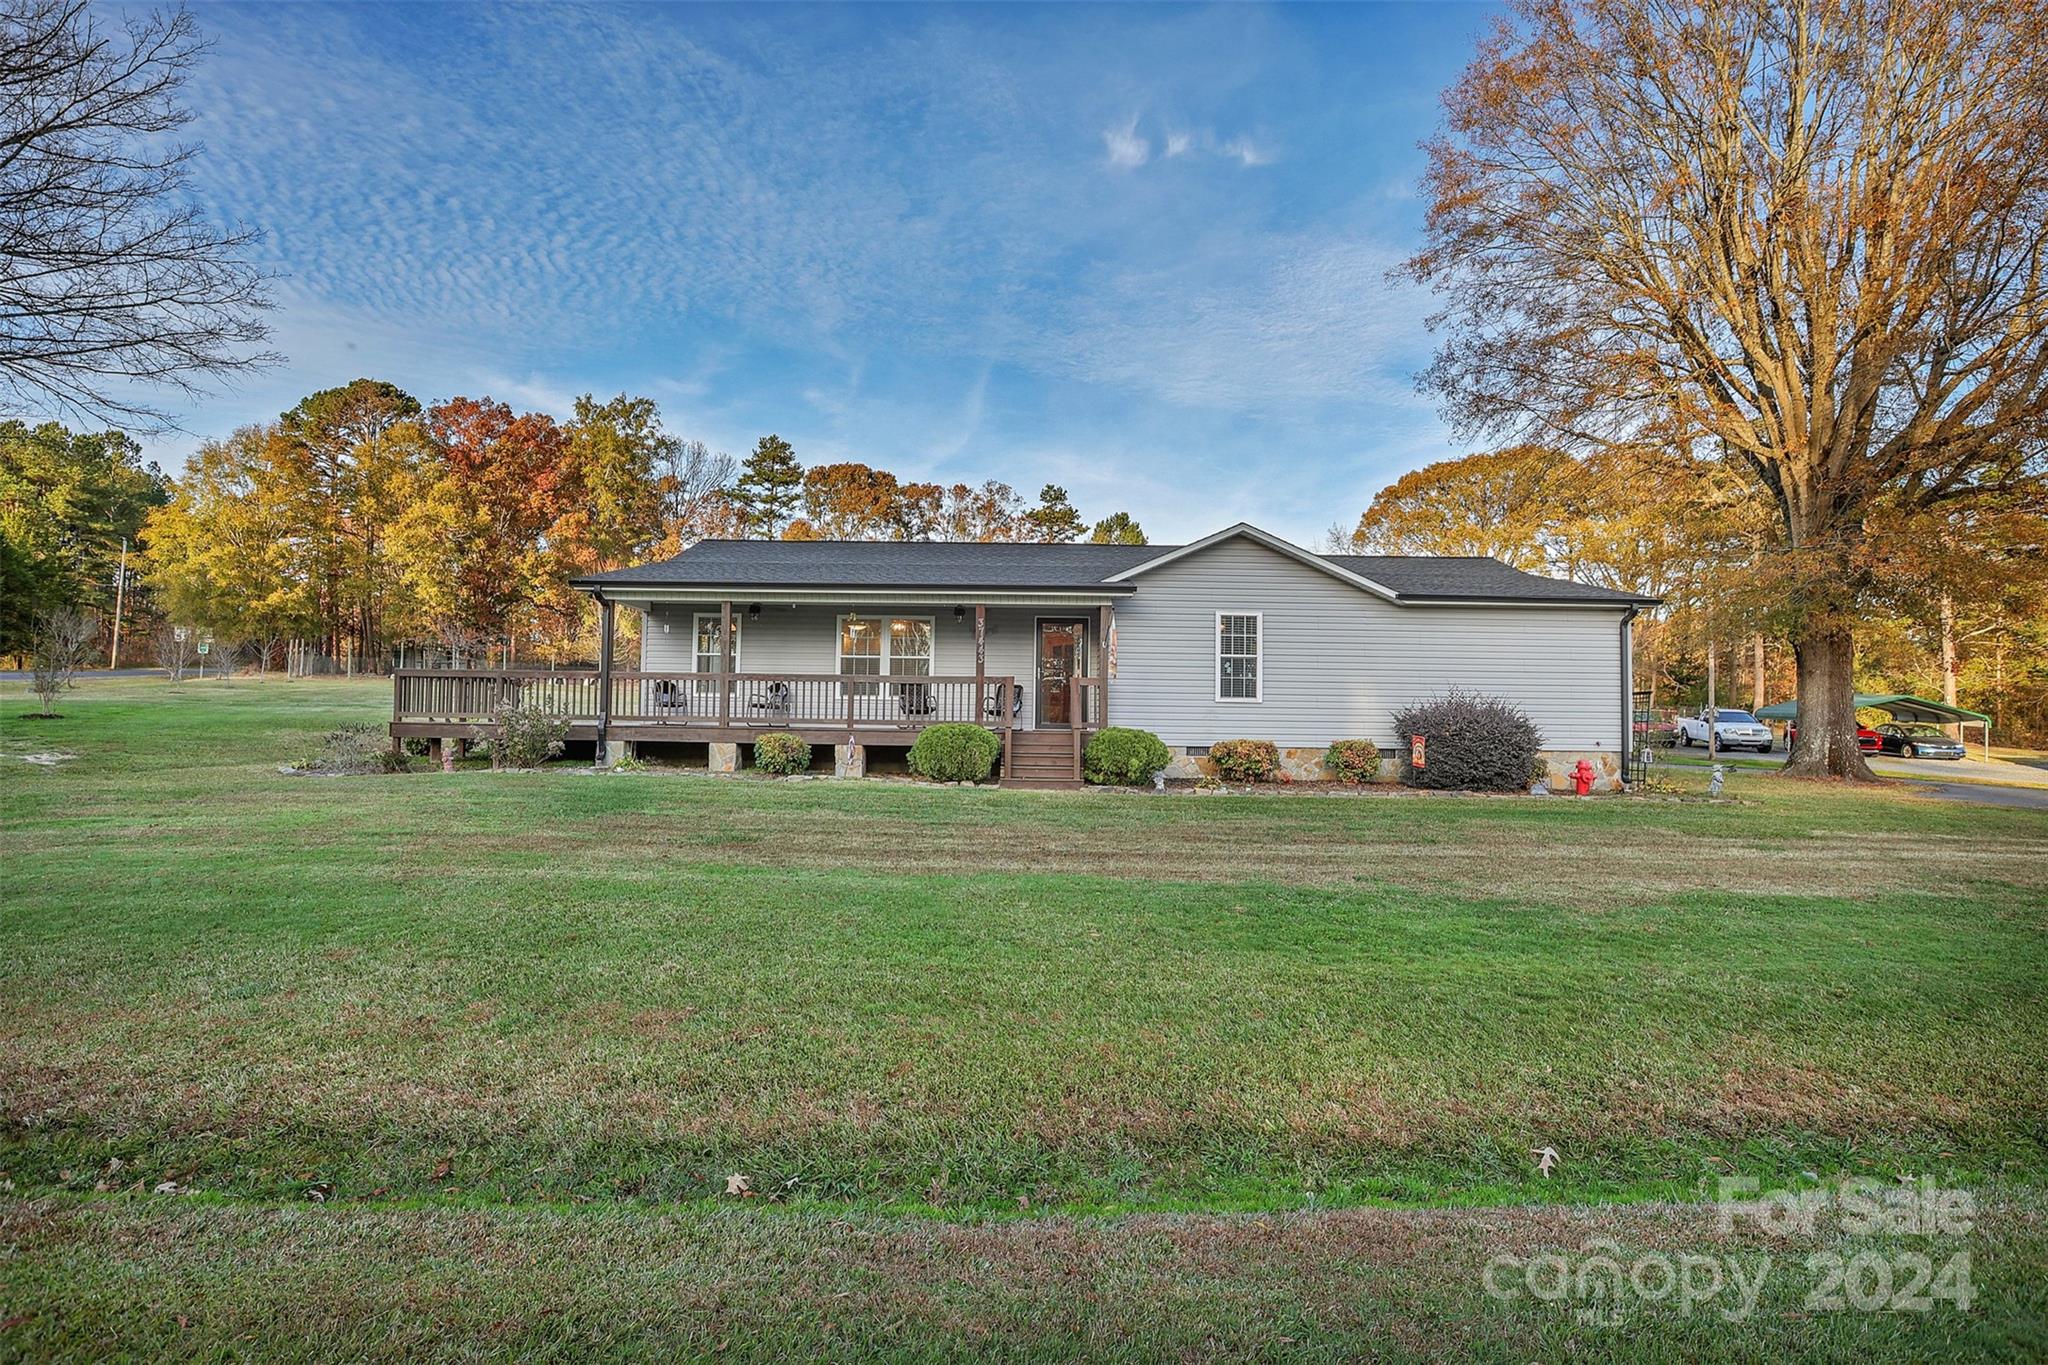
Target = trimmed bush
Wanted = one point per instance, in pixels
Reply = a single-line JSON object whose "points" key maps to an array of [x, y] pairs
{"points": [[1470, 743], [1246, 760], [528, 735], [782, 753], [957, 752], [1121, 757], [1352, 760]]}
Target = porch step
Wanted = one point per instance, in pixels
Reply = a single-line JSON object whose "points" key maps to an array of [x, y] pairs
{"points": [[1041, 759]]}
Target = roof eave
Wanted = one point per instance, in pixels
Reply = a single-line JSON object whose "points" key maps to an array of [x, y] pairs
{"points": [[601, 584], [1496, 600]]}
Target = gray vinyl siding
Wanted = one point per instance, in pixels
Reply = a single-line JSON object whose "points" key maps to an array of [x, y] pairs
{"points": [[1337, 661], [805, 639]]}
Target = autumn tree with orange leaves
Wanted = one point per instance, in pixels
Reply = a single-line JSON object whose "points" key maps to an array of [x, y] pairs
{"points": [[1806, 239], [471, 538]]}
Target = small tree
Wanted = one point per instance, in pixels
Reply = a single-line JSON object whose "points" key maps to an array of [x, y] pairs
{"points": [[62, 636], [173, 651], [228, 657]]}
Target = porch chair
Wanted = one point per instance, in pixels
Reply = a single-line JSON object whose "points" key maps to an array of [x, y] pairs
{"points": [[773, 699], [916, 700], [993, 706]]}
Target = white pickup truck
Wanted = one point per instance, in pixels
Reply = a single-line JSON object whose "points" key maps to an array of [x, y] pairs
{"points": [[1732, 730]]}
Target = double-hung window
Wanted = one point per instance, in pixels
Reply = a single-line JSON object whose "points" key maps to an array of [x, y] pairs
{"points": [[1238, 641], [885, 647]]}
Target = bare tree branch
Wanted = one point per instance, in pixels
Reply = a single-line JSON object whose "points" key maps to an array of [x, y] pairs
{"points": [[107, 275]]}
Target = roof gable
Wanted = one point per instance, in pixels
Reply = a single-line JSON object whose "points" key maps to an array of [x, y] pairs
{"points": [[1244, 530]]}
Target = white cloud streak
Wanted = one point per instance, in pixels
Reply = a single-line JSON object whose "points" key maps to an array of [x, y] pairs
{"points": [[1127, 150]]}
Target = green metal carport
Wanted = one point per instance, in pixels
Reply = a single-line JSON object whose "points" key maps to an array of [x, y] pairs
{"points": [[1899, 706]]}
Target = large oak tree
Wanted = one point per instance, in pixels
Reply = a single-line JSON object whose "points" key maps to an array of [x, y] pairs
{"points": [[1805, 237]]}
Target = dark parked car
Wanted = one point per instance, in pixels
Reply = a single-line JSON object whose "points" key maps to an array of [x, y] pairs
{"points": [[1867, 739], [1918, 741]]}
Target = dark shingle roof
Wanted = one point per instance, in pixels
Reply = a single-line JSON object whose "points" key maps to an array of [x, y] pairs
{"points": [[928, 565], [1471, 578], [886, 564]]}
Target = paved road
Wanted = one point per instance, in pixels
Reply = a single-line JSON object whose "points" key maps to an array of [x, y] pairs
{"points": [[1891, 765], [17, 675], [1981, 794]]}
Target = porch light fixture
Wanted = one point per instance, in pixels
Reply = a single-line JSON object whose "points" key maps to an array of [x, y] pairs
{"points": [[959, 613], [754, 612]]}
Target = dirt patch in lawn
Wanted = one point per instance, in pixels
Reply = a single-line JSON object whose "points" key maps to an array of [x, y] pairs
{"points": [[1490, 861]]}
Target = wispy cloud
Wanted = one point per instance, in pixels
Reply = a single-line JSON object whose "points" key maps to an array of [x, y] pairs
{"points": [[1245, 151], [901, 258], [1240, 148], [1126, 148], [1311, 320]]}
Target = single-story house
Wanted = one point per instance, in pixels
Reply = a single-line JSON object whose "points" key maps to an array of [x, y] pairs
{"points": [[860, 644]]}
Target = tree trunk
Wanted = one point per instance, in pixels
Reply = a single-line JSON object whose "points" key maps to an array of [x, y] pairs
{"points": [[1948, 657], [1756, 680], [1827, 706]]}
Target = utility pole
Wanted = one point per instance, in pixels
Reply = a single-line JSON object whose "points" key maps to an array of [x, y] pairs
{"points": [[120, 595]]}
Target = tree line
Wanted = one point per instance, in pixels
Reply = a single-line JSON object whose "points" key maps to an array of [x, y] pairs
{"points": [[362, 520]]}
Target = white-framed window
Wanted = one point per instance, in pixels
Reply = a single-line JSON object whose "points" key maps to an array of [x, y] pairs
{"points": [[710, 654], [1239, 635], [886, 646]]}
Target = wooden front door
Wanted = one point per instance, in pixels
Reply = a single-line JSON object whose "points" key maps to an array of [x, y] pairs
{"points": [[1062, 657]]}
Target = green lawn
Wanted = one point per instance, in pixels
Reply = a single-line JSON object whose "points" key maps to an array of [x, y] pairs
{"points": [[505, 1036]]}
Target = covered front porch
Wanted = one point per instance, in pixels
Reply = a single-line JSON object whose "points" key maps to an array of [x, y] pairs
{"points": [[841, 672]]}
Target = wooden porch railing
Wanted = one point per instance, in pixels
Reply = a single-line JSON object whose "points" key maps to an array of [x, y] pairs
{"points": [[732, 701]]}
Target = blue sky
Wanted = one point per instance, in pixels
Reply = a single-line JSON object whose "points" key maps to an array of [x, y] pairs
{"points": [[1137, 251]]}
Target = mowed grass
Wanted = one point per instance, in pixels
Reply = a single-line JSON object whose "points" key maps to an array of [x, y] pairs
{"points": [[921, 1017]]}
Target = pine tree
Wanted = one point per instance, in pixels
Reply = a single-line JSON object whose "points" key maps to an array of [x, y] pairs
{"points": [[1118, 529], [1054, 521], [771, 487]]}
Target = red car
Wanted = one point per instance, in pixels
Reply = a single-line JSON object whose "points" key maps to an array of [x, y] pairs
{"points": [[1867, 739]]}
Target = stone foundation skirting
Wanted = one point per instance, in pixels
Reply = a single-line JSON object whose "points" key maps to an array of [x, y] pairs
{"points": [[1306, 765]]}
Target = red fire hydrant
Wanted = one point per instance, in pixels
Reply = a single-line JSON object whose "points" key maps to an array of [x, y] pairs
{"points": [[1582, 777]]}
